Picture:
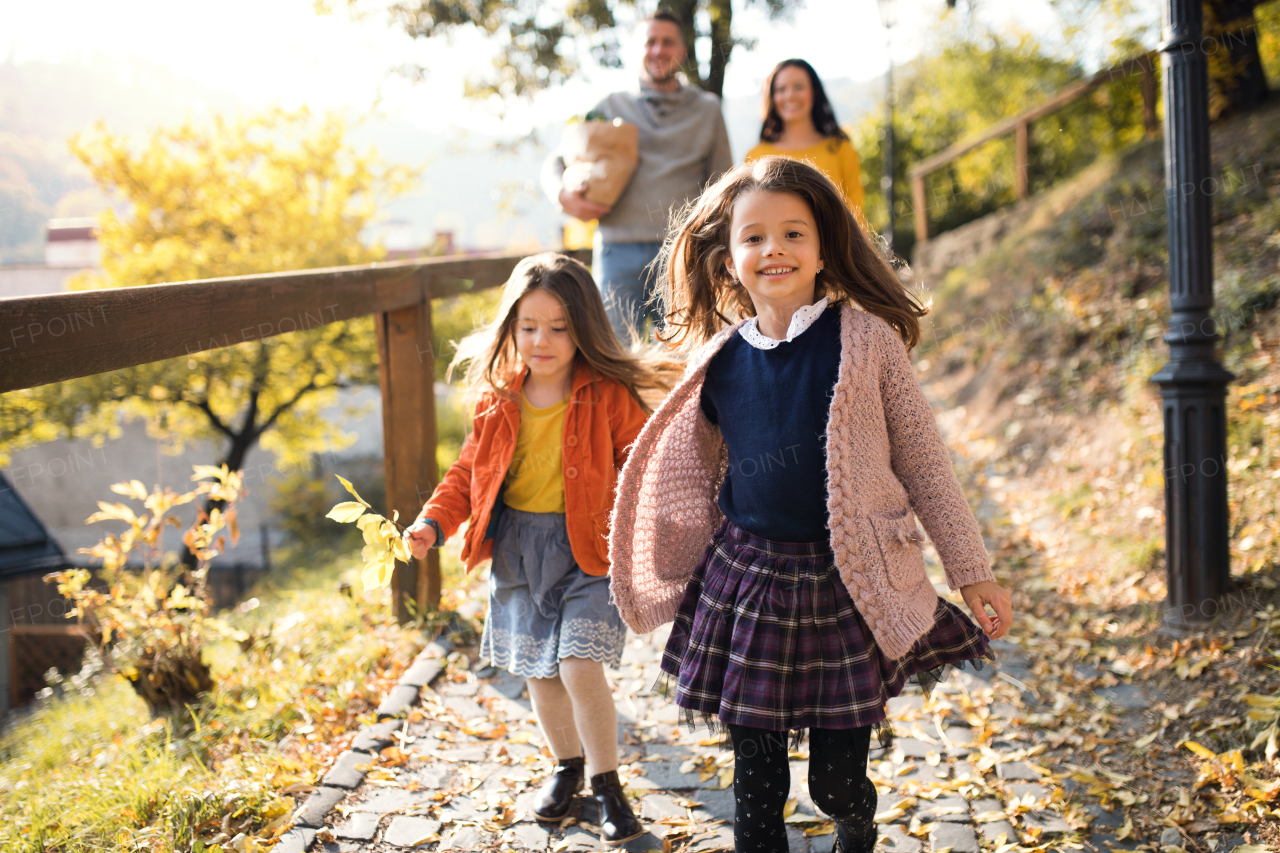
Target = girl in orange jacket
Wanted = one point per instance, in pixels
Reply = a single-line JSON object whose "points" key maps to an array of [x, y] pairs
{"points": [[557, 406]]}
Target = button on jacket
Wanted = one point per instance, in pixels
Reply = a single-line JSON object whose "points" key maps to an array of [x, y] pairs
{"points": [[600, 423]]}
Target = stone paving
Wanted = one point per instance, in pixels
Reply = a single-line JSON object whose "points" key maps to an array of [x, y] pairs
{"points": [[460, 772]]}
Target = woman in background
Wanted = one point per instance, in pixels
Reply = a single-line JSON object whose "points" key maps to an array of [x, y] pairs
{"points": [[799, 123]]}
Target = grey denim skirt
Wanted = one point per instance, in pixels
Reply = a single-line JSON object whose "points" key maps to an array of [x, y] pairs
{"points": [[542, 607]]}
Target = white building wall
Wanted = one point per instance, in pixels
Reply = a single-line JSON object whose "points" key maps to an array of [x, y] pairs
{"points": [[76, 254], [34, 280], [62, 481]]}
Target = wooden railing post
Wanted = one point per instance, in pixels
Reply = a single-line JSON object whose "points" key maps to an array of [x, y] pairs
{"points": [[1021, 158], [922, 209], [406, 368]]}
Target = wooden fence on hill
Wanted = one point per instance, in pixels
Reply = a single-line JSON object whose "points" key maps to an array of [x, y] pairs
{"points": [[1020, 126], [63, 336]]}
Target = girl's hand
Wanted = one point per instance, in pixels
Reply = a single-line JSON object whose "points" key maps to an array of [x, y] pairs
{"points": [[420, 537], [978, 596]]}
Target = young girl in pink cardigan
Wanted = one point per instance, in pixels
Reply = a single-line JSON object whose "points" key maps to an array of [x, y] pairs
{"points": [[768, 507]]}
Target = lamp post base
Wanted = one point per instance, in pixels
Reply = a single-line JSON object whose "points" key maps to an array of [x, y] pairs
{"points": [[1197, 538]]}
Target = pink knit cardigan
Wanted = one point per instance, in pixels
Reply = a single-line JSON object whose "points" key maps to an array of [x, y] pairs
{"points": [[885, 458]]}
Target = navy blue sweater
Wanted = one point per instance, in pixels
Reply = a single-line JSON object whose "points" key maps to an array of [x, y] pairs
{"points": [[771, 406]]}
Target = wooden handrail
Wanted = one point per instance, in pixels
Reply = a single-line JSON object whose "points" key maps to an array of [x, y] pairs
{"points": [[68, 630], [1020, 126], [63, 336], [55, 337]]}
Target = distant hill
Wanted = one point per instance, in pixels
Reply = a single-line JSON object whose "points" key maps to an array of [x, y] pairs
{"points": [[43, 104], [487, 198]]}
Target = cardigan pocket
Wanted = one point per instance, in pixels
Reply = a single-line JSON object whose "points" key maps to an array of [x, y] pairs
{"points": [[900, 542]]}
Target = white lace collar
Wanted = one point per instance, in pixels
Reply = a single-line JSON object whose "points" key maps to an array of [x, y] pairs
{"points": [[801, 320]]}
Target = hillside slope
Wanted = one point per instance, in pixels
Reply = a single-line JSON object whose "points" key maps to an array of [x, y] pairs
{"points": [[1038, 356]]}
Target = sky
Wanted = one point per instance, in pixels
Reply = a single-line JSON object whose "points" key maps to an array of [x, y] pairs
{"points": [[282, 52]]}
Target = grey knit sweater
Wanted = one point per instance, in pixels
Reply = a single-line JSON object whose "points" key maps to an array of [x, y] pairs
{"points": [[683, 147]]}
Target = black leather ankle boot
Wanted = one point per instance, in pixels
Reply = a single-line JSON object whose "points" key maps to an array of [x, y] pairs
{"points": [[844, 844], [617, 821], [556, 797]]}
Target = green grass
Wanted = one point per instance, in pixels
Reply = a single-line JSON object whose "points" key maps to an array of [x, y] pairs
{"points": [[1069, 503], [89, 770]]}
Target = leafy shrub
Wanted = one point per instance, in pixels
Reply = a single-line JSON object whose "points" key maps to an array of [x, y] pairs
{"points": [[152, 624]]}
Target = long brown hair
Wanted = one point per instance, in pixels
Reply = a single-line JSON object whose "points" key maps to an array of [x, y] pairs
{"points": [[702, 297], [824, 117], [489, 353]]}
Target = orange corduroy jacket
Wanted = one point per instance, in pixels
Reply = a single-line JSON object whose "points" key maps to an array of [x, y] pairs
{"points": [[600, 423]]}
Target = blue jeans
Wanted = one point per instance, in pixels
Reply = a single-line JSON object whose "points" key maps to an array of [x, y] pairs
{"points": [[628, 286]]}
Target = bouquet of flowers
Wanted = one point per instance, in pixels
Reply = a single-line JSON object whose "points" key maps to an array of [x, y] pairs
{"points": [[599, 156]]}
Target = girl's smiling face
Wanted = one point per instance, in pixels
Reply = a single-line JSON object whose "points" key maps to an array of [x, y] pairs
{"points": [[542, 335], [773, 249]]}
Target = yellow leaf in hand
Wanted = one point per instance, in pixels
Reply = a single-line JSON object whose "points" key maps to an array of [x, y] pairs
{"points": [[372, 530], [346, 512], [346, 484], [377, 572], [386, 567]]}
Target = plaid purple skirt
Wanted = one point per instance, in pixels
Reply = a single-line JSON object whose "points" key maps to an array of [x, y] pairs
{"points": [[767, 636]]}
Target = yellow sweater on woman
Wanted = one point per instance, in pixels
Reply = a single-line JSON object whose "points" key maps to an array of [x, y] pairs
{"points": [[835, 158]]}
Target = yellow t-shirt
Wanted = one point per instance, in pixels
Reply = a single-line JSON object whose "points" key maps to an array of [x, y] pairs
{"points": [[535, 482], [835, 158]]}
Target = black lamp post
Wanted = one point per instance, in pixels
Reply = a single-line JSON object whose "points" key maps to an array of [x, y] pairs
{"points": [[888, 17], [1193, 384]]}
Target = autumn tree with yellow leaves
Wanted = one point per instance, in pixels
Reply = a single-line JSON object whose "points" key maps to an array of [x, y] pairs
{"points": [[274, 192]]}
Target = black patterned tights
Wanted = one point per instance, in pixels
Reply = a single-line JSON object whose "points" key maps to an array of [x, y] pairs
{"points": [[838, 785]]}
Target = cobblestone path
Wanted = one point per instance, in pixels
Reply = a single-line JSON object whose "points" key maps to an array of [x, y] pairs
{"points": [[459, 774]]}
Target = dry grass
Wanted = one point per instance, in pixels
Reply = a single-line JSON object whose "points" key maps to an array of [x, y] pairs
{"points": [[1045, 382], [89, 770]]}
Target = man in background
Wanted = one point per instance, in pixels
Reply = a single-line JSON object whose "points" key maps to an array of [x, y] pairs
{"points": [[683, 147]]}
